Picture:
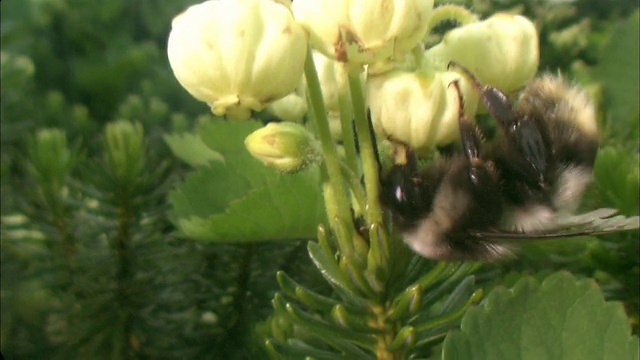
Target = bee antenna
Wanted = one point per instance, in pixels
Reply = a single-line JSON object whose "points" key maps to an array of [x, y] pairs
{"points": [[468, 131], [456, 85], [468, 74], [373, 140]]}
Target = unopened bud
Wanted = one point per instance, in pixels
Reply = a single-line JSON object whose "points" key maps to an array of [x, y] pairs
{"points": [[417, 109], [286, 147], [502, 51], [363, 31], [237, 55]]}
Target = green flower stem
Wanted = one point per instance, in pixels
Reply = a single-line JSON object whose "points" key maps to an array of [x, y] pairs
{"points": [[451, 12], [354, 185], [348, 138], [367, 151], [331, 161]]}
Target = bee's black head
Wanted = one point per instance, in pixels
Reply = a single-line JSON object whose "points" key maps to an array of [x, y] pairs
{"points": [[401, 192]]}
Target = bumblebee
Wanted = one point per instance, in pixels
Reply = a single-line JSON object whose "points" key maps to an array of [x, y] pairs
{"points": [[522, 185]]}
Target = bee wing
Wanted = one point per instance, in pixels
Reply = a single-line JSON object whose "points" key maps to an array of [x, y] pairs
{"points": [[597, 222]]}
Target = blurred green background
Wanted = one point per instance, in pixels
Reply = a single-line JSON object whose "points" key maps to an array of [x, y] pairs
{"points": [[92, 266]]}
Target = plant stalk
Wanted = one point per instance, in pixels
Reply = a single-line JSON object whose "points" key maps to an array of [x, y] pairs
{"points": [[329, 153]]}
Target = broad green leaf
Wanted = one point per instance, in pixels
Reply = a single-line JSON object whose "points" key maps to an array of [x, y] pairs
{"points": [[616, 178], [239, 199], [563, 318], [191, 149], [288, 208], [618, 71]]}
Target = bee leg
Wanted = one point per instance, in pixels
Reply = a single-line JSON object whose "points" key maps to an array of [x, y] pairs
{"points": [[468, 131], [493, 99], [526, 139]]}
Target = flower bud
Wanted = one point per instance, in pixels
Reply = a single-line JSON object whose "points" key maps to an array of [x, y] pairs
{"points": [[418, 109], [286, 147], [237, 55], [501, 51], [363, 31]]}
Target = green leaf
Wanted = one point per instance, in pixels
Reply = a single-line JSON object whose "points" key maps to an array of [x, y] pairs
{"points": [[191, 149], [616, 179], [239, 199], [562, 318], [618, 71]]}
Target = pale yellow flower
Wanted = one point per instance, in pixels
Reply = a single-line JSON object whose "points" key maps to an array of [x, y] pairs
{"points": [[237, 55], [363, 31], [501, 51]]}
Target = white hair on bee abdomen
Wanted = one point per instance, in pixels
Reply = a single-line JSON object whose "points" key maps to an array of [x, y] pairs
{"points": [[528, 218], [428, 237], [571, 184]]}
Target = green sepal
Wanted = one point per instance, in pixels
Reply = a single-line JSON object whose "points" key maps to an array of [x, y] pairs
{"points": [[378, 285], [322, 329], [331, 271], [434, 275], [405, 339], [460, 295], [436, 327], [454, 274], [450, 317], [345, 239], [407, 303], [430, 328], [305, 296], [346, 319], [357, 277], [378, 256], [323, 241]]}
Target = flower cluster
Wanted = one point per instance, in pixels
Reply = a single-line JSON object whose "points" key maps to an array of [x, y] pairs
{"points": [[240, 56]]}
